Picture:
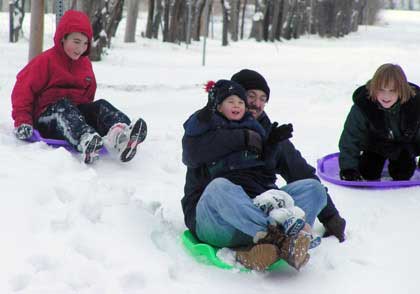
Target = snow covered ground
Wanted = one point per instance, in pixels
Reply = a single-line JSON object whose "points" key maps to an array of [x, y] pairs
{"points": [[115, 228]]}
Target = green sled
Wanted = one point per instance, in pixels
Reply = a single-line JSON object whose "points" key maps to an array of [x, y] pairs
{"points": [[206, 253]]}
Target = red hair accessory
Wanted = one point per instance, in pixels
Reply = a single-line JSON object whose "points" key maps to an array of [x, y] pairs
{"points": [[209, 85]]}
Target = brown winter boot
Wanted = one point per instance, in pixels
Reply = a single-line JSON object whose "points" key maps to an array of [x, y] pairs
{"points": [[264, 252], [294, 250], [258, 257]]}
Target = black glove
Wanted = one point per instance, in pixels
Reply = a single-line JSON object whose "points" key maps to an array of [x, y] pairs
{"points": [[335, 226], [350, 175], [24, 131], [253, 141], [279, 133]]}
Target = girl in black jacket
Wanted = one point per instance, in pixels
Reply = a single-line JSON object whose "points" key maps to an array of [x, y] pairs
{"points": [[383, 124]]}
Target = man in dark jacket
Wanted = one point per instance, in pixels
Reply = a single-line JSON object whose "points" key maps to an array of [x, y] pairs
{"points": [[285, 159], [227, 169]]}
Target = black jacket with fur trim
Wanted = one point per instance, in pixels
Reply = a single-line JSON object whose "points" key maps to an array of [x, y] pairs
{"points": [[370, 127]]}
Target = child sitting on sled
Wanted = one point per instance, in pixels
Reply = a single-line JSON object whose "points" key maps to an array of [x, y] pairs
{"points": [[54, 93], [383, 124], [246, 190]]}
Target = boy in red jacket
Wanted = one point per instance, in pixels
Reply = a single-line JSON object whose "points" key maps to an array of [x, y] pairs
{"points": [[54, 93]]}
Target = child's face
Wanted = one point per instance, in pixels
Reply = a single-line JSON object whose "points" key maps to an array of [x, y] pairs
{"points": [[233, 108], [75, 44], [387, 96]]}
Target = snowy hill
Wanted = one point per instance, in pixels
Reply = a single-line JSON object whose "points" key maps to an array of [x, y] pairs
{"points": [[115, 228]]}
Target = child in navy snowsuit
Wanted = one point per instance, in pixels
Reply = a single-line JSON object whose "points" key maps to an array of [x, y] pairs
{"points": [[54, 93], [239, 177]]}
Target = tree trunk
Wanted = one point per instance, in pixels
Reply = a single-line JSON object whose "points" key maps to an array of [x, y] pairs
{"points": [[150, 15], [233, 19], [37, 28], [196, 24], [16, 16], [105, 15], [288, 14], [206, 17], [157, 20], [166, 15], [410, 5], [130, 27], [276, 20], [257, 22], [225, 12], [174, 21], [243, 18]]}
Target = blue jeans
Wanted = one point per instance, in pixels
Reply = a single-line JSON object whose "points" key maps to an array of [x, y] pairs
{"points": [[227, 217]]}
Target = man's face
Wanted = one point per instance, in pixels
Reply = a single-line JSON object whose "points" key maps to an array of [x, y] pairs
{"points": [[256, 102]]}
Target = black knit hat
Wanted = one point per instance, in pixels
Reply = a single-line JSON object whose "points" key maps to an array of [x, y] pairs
{"points": [[223, 89], [251, 80]]}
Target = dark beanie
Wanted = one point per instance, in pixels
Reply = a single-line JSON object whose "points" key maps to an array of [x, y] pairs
{"points": [[251, 80], [225, 88]]}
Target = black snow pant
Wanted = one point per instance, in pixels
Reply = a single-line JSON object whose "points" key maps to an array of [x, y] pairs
{"points": [[66, 121], [371, 165]]}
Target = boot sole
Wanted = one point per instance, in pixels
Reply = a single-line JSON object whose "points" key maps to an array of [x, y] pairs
{"points": [[92, 150], [138, 134], [259, 257], [300, 256]]}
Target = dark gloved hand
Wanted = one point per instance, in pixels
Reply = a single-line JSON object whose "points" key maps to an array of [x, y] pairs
{"points": [[279, 133], [24, 131], [335, 226], [253, 141], [350, 175]]}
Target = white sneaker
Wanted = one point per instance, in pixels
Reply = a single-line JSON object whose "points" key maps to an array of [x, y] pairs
{"points": [[116, 139], [89, 146], [124, 139]]}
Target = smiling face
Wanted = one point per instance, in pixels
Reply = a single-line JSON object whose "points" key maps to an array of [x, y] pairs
{"points": [[75, 44], [387, 95], [233, 108], [256, 100]]}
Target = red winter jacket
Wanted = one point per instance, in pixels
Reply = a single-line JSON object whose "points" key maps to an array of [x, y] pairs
{"points": [[53, 75]]}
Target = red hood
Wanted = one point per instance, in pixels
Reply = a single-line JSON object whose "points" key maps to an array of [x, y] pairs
{"points": [[71, 22]]}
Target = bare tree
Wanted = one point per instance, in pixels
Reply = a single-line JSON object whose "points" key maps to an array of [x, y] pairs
{"points": [[410, 5], [233, 19], [196, 23], [258, 21], [150, 15], [275, 31], [132, 13], [175, 21], [105, 15], [243, 18], [16, 15], [225, 12], [272, 19], [206, 17], [158, 18], [37, 28]]}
